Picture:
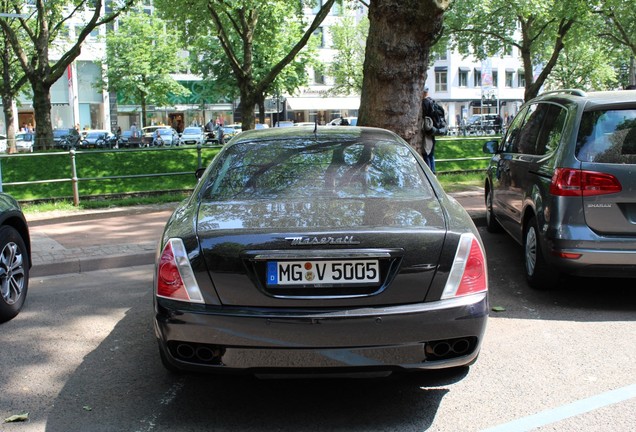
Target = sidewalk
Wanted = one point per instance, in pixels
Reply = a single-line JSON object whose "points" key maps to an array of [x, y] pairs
{"points": [[122, 237]]}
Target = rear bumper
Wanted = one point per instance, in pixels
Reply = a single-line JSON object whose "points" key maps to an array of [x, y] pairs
{"points": [[423, 336], [596, 262]]}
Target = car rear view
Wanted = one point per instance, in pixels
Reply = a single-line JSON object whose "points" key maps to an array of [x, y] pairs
{"points": [[333, 251], [606, 185], [562, 184]]}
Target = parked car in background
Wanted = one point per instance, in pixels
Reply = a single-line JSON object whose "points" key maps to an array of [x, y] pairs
{"points": [[484, 124], [99, 138], [168, 137], [148, 134], [192, 135], [284, 123], [66, 138], [259, 126], [131, 138], [289, 258], [15, 258], [344, 121], [3, 143], [24, 142], [298, 124], [561, 182], [226, 133]]}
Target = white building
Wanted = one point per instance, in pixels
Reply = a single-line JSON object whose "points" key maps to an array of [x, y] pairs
{"points": [[466, 86]]}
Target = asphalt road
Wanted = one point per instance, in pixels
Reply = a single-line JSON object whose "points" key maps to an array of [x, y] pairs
{"points": [[82, 357]]}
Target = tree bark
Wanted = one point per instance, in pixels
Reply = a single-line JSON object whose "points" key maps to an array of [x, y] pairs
{"points": [[42, 112], [401, 33]]}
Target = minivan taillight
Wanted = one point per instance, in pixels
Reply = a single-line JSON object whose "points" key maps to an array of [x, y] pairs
{"points": [[576, 182]]}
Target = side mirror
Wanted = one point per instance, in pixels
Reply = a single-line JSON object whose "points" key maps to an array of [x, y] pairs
{"points": [[491, 147]]}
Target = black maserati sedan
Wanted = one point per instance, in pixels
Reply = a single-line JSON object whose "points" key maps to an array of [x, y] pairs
{"points": [[317, 250]]}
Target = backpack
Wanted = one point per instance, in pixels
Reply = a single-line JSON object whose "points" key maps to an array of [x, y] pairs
{"points": [[438, 115]]}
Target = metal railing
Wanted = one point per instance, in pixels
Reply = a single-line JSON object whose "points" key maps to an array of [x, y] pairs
{"points": [[75, 180]]}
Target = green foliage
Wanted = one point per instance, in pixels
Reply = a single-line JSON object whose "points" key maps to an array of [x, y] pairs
{"points": [[94, 167], [141, 54], [349, 40], [540, 29]]}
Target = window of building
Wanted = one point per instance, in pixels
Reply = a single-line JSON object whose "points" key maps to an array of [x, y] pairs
{"points": [[441, 81], [462, 78], [320, 35], [521, 79], [495, 80], [477, 78], [440, 55], [508, 79], [319, 78]]}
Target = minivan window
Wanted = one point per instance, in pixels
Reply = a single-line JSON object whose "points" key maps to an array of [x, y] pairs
{"points": [[552, 129], [511, 143], [607, 136]]}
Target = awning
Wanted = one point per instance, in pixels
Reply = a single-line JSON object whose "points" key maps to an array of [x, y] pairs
{"points": [[441, 68], [322, 103], [464, 68], [510, 70]]}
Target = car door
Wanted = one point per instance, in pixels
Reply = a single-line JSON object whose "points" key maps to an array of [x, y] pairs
{"points": [[504, 189]]}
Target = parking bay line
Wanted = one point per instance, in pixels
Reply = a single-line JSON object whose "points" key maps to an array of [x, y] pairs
{"points": [[570, 410]]}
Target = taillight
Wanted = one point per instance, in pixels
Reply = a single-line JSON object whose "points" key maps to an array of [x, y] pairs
{"points": [[469, 273], [175, 278], [574, 182]]}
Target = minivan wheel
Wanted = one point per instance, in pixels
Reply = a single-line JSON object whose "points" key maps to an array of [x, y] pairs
{"points": [[492, 225], [539, 274]]}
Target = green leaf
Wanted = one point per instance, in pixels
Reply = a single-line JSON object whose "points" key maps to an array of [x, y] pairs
{"points": [[498, 309], [17, 418], [87, 408]]}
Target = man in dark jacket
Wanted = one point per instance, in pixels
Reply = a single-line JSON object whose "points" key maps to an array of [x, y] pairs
{"points": [[432, 125]]}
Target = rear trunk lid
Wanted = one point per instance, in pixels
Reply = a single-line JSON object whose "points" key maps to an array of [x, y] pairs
{"points": [[322, 253]]}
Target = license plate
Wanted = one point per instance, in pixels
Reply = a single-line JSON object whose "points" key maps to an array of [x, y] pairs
{"points": [[323, 272]]}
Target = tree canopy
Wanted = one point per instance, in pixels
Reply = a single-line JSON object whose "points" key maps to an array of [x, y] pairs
{"points": [[539, 29], [39, 31], [254, 43], [141, 53]]}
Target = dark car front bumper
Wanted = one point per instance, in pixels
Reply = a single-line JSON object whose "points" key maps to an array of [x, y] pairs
{"points": [[431, 335]]}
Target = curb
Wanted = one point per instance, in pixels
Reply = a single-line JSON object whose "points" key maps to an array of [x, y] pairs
{"points": [[83, 265]]}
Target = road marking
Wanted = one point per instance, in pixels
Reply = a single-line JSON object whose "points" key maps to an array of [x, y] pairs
{"points": [[570, 410]]}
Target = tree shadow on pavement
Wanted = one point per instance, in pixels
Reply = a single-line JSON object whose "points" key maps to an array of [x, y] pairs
{"points": [[122, 386]]}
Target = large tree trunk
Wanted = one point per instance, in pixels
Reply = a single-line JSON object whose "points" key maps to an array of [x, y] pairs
{"points": [[401, 33], [248, 100], [42, 112]]}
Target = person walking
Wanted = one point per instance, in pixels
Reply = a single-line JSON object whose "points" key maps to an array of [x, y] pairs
{"points": [[433, 124]]}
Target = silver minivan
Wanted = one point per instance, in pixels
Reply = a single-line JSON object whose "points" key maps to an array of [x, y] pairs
{"points": [[562, 182]]}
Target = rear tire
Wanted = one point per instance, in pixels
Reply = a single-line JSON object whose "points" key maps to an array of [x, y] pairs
{"points": [[14, 273], [539, 274], [492, 225]]}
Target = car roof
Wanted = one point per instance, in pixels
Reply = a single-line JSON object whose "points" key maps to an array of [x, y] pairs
{"points": [[306, 133], [591, 100]]}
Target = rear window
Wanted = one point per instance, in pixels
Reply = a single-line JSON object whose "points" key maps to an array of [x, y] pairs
{"points": [[287, 169], [607, 137]]}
